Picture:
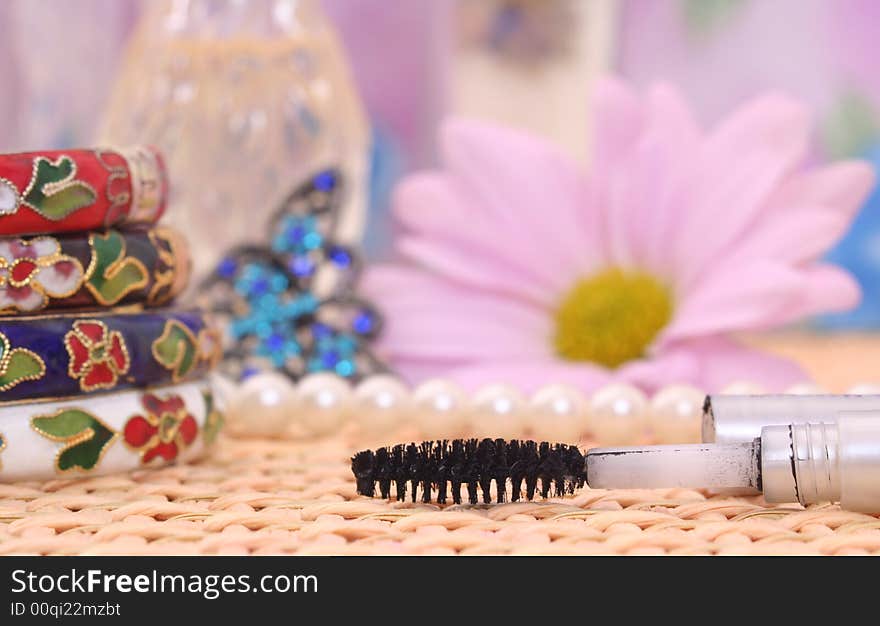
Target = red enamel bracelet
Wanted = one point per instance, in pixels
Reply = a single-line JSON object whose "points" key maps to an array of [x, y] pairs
{"points": [[69, 190]]}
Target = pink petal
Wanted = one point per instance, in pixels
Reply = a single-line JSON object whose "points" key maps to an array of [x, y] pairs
{"points": [[530, 375], [825, 289], [21, 298], [738, 296], [842, 186], [529, 188], [809, 213], [618, 121], [723, 362], [415, 371], [60, 279], [741, 164], [474, 269], [435, 210], [22, 249], [431, 318], [666, 368], [6, 251], [645, 197], [794, 236], [44, 246]]}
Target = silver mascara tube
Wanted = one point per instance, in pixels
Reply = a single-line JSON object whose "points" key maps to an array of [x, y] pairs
{"points": [[835, 461], [729, 419]]}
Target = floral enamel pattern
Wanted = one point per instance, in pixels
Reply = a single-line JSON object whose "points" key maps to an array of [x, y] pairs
{"points": [[85, 437], [214, 419], [155, 426], [18, 365], [112, 275], [85, 352], [80, 190], [165, 429], [148, 266], [54, 191], [10, 199], [32, 271], [210, 346], [98, 356], [178, 350], [172, 272]]}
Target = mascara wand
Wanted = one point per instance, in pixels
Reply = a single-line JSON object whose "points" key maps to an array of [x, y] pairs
{"points": [[443, 467], [806, 463]]}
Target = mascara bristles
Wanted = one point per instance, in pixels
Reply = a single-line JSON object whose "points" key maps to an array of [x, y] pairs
{"points": [[443, 467]]}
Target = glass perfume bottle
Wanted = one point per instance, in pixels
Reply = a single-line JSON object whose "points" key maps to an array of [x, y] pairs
{"points": [[246, 100]]}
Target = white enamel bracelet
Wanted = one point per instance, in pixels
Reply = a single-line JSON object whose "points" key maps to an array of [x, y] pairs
{"points": [[108, 433]]}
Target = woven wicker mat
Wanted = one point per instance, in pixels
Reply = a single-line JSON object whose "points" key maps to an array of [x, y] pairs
{"points": [[255, 496], [287, 497]]}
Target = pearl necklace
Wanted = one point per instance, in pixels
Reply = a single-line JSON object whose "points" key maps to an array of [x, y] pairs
{"points": [[270, 404]]}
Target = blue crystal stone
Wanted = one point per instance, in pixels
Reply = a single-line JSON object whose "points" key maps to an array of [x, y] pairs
{"points": [[363, 323], [301, 266], [275, 342], [345, 368], [256, 281], [261, 327], [249, 371], [312, 240], [227, 268], [325, 181], [302, 305], [259, 286], [279, 283], [321, 331], [279, 346], [295, 233], [329, 359], [346, 344], [340, 256]]}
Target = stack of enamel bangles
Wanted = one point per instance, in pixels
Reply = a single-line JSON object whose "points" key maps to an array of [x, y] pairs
{"points": [[94, 378]]}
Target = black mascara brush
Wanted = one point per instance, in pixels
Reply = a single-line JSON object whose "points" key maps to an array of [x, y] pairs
{"points": [[443, 467], [834, 461]]}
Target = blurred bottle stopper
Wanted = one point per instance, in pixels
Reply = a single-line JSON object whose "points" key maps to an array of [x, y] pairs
{"points": [[731, 419]]}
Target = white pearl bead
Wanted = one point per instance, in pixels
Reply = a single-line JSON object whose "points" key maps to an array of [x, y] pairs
{"points": [[675, 414], [324, 402], [617, 414], [558, 414], [743, 388], [262, 405], [864, 389], [498, 411], [805, 389], [382, 401], [440, 409]]}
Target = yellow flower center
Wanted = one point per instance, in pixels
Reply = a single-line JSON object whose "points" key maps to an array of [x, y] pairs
{"points": [[611, 317]]}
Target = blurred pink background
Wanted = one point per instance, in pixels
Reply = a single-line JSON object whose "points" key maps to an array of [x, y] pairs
{"points": [[424, 59]]}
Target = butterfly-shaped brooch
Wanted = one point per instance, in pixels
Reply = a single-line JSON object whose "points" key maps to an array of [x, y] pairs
{"points": [[291, 305]]}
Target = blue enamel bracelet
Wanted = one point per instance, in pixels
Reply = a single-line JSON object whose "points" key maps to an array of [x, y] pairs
{"points": [[57, 356]]}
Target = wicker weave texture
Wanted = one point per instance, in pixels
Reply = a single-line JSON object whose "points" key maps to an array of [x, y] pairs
{"points": [[287, 497]]}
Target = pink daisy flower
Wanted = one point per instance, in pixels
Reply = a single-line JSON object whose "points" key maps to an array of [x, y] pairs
{"points": [[520, 268]]}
